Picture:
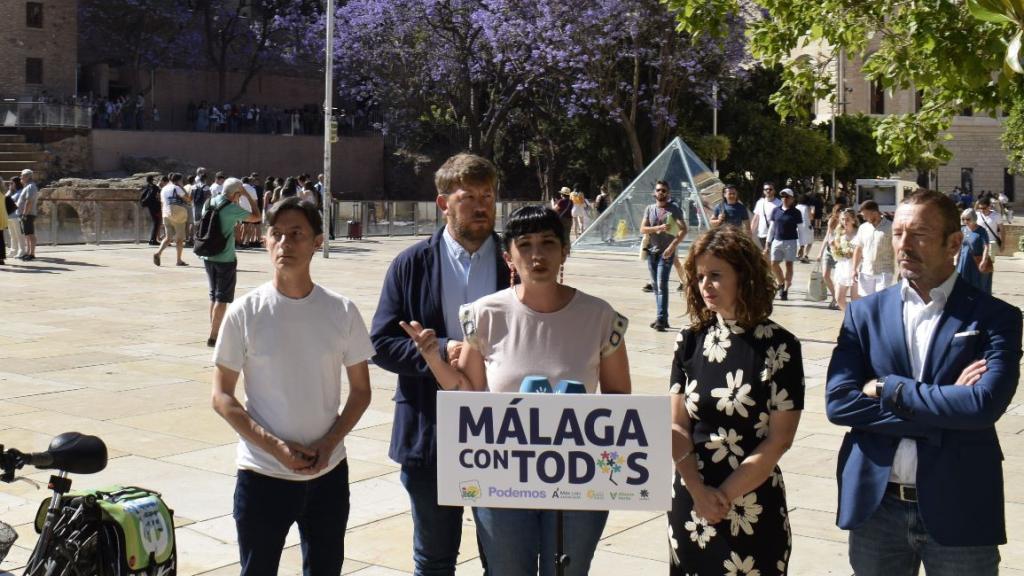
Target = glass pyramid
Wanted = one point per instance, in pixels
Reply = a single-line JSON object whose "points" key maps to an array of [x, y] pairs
{"points": [[694, 187]]}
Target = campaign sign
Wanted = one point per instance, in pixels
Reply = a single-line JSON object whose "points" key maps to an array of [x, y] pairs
{"points": [[554, 451]]}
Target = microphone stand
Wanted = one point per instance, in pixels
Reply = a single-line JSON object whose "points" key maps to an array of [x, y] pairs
{"points": [[541, 385]]}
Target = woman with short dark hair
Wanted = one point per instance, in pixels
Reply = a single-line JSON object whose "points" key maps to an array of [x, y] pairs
{"points": [[737, 390], [538, 326]]}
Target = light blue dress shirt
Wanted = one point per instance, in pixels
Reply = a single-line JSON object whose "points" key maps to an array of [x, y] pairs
{"points": [[465, 278]]}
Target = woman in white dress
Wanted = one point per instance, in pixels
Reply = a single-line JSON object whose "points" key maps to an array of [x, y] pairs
{"points": [[805, 235], [828, 261], [842, 251]]}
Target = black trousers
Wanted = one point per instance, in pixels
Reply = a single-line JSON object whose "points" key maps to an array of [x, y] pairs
{"points": [[155, 215]]}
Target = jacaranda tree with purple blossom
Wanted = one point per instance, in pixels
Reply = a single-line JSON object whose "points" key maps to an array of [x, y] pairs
{"points": [[473, 63], [140, 34], [226, 35], [624, 61]]}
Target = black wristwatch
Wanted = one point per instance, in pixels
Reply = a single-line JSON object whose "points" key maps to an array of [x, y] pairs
{"points": [[880, 387]]}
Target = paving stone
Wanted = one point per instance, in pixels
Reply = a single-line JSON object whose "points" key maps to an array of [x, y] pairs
{"points": [[124, 356]]}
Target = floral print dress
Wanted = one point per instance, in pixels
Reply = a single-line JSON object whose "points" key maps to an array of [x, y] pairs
{"points": [[733, 379]]}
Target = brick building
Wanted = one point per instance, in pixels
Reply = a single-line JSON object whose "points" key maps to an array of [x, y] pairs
{"points": [[38, 48], [979, 162]]}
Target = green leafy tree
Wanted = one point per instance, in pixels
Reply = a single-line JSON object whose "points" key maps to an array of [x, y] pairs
{"points": [[953, 53], [854, 133], [762, 146]]}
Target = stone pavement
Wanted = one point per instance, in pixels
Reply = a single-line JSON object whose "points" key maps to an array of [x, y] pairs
{"points": [[98, 340]]}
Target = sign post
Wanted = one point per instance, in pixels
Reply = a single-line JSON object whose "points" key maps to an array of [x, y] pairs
{"points": [[554, 451]]}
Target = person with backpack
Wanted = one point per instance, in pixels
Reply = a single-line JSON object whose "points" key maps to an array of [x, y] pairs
{"points": [[174, 209], [200, 194], [215, 245], [149, 198]]}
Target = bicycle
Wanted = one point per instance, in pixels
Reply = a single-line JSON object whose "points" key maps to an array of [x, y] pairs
{"points": [[70, 533]]}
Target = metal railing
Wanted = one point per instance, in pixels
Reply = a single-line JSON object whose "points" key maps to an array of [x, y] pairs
{"points": [[44, 115], [120, 221]]}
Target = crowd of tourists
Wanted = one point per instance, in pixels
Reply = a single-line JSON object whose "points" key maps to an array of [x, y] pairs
{"points": [[18, 216]]}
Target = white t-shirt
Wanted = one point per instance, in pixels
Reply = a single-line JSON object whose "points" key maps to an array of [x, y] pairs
{"points": [[990, 223], [167, 196], [291, 353], [877, 256], [215, 189], [517, 341], [243, 200], [763, 212]]}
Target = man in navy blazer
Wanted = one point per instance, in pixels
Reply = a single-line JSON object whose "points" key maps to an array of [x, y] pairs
{"points": [[428, 282], [920, 374]]}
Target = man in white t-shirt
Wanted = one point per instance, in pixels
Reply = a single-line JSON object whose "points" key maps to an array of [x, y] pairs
{"points": [[991, 221], [290, 338], [1004, 207], [873, 256], [762, 215], [218, 184]]}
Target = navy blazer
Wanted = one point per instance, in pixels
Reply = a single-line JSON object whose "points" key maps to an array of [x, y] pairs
{"points": [[959, 468], [412, 291]]}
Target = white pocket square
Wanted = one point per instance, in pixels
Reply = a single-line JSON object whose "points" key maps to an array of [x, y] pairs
{"points": [[966, 334]]}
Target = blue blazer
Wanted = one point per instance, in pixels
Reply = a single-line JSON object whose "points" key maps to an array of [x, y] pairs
{"points": [[959, 470], [412, 291]]}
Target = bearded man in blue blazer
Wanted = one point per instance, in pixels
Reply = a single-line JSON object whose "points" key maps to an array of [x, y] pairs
{"points": [[921, 373], [427, 283]]}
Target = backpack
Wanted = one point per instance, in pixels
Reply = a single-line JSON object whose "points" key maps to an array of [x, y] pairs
{"points": [[199, 194], [131, 528], [210, 239], [148, 195]]}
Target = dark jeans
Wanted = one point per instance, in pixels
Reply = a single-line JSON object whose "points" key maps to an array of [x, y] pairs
{"points": [[525, 541], [660, 270], [437, 530], [893, 542], [265, 508], [155, 216]]}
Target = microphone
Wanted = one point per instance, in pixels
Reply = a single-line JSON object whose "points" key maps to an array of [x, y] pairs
{"points": [[570, 387], [541, 385], [535, 385]]}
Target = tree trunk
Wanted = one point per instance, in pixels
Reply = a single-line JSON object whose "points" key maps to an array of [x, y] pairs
{"points": [[634, 142]]}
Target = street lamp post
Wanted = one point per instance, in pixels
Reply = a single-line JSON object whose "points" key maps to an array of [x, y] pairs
{"points": [[838, 102], [714, 124], [329, 129]]}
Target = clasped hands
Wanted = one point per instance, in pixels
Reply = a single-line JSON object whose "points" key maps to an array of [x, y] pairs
{"points": [[710, 503], [969, 377], [306, 460]]}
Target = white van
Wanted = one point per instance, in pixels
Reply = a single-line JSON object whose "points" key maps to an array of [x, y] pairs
{"points": [[886, 192]]}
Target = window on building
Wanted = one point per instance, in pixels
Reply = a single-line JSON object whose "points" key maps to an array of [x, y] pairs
{"points": [[967, 111], [33, 70], [918, 100], [877, 98], [34, 14]]}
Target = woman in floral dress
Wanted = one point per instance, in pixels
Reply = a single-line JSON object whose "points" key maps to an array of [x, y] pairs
{"points": [[737, 392]]}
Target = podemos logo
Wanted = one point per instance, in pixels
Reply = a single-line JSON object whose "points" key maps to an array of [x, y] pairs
{"points": [[470, 490]]}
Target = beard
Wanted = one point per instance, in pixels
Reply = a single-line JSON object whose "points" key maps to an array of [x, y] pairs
{"points": [[474, 232]]}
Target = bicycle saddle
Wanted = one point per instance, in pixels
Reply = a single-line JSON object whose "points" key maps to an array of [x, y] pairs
{"points": [[74, 453]]}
